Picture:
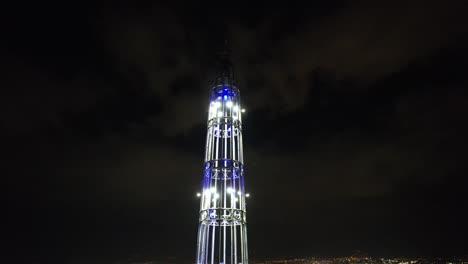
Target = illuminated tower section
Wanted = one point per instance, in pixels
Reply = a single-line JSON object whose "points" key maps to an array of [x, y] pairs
{"points": [[222, 232]]}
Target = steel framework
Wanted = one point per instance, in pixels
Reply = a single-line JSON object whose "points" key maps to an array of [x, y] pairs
{"points": [[222, 232]]}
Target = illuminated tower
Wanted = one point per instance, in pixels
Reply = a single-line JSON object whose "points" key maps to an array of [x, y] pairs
{"points": [[222, 231]]}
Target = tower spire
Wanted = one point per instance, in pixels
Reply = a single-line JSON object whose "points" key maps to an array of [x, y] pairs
{"points": [[224, 68]]}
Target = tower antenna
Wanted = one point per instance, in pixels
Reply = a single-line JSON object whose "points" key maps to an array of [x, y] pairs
{"points": [[224, 68]]}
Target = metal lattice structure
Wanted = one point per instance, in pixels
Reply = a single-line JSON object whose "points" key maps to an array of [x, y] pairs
{"points": [[222, 232]]}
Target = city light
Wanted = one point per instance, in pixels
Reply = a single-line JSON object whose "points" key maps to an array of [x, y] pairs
{"points": [[229, 104], [198, 194], [247, 195], [243, 111]]}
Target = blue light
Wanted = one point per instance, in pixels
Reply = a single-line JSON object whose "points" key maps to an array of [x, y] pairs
{"points": [[225, 97], [227, 163], [212, 214]]}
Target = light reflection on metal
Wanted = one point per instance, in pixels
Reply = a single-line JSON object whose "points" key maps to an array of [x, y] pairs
{"points": [[222, 232]]}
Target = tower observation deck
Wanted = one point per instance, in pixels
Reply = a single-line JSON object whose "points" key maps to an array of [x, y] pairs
{"points": [[222, 231]]}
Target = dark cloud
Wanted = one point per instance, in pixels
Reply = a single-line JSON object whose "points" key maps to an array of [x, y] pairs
{"points": [[35, 98], [362, 42]]}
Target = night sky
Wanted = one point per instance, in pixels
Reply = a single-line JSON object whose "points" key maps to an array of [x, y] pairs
{"points": [[355, 133]]}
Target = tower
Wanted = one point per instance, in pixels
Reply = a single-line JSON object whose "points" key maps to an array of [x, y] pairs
{"points": [[222, 231]]}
